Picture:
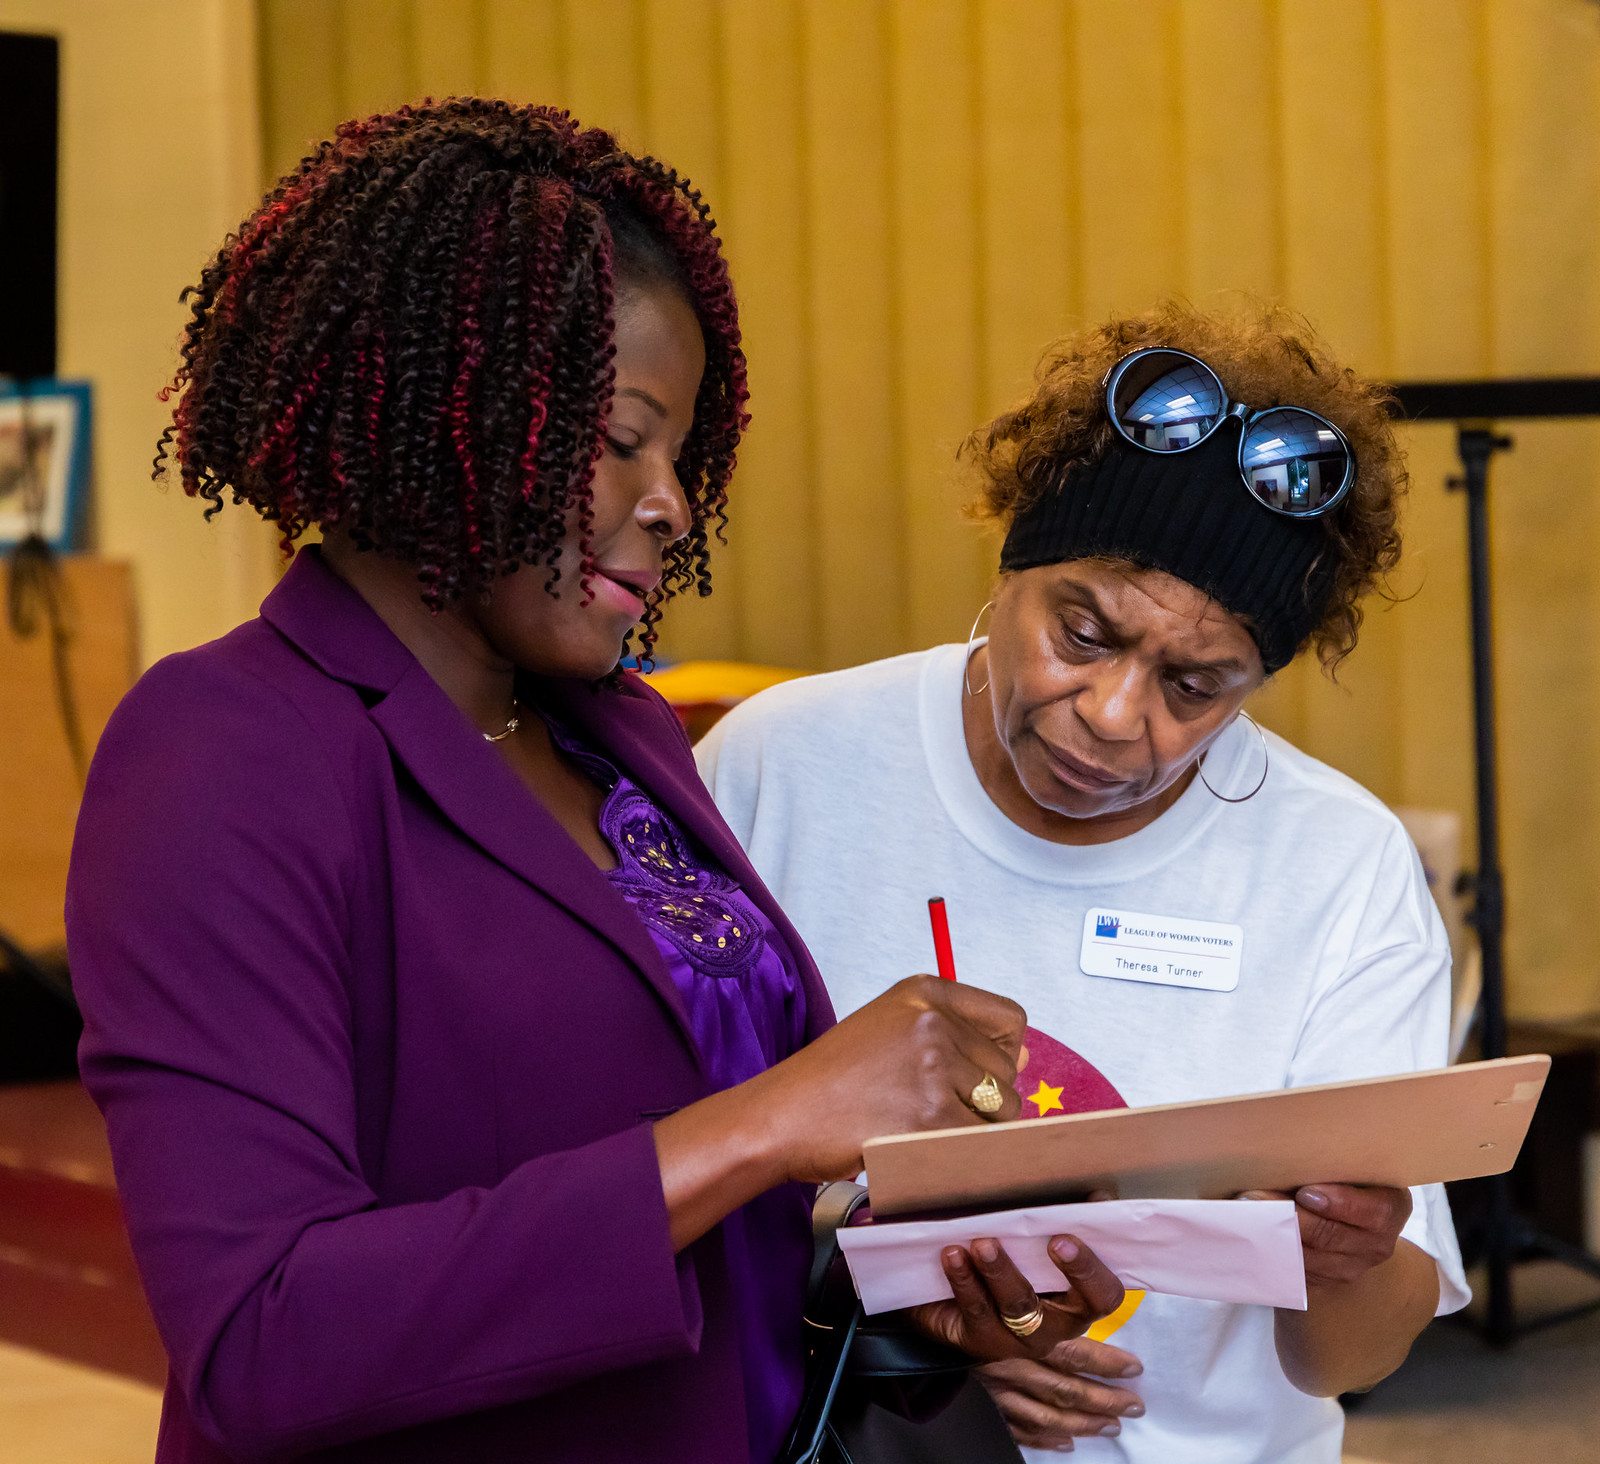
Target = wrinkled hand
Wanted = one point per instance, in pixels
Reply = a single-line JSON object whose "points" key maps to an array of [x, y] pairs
{"points": [[1049, 1402], [905, 1062], [1345, 1229], [987, 1285]]}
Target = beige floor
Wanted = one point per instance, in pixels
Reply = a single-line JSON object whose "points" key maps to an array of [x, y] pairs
{"points": [[1457, 1402], [1454, 1402], [54, 1412]]}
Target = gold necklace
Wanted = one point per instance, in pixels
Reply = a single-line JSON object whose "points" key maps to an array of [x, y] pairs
{"points": [[510, 727]]}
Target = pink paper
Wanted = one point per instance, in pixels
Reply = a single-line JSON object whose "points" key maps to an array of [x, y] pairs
{"points": [[1213, 1250]]}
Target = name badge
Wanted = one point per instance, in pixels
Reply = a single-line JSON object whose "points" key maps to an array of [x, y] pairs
{"points": [[1163, 949]]}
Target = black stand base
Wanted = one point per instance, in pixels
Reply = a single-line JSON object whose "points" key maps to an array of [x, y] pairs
{"points": [[1497, 1236], [39, 1021]]}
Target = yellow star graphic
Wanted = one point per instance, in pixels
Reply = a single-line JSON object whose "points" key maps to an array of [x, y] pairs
{"points": [[1046, 1098]]}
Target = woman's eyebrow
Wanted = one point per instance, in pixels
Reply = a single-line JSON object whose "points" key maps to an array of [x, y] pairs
{"points": [[644, 397], [1223, 664], [1087, 599]]}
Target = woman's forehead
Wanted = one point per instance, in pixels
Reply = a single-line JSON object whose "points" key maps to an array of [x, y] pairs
{"points": [[1147, 605]]}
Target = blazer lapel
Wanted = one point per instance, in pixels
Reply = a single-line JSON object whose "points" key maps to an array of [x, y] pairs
{"points": [[463, 775]]}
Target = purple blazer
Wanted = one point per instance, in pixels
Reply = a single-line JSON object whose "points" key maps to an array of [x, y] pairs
{"points": [[379, 1050]]}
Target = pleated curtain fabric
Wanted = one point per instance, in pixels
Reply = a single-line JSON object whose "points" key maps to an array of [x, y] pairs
{"points": [[917, 194]]}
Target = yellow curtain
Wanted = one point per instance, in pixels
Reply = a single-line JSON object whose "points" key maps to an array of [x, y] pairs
{"points": [[917, 194]]}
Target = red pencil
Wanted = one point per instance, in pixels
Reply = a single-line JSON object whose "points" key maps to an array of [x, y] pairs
{"points": [[941, 938]]}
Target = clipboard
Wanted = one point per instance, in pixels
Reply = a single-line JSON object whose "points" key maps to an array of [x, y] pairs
{"points": [[1461, 1122]]}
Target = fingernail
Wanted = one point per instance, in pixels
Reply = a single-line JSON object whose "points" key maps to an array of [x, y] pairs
{"points": [[955, 1258], [1111, 1430], [1133, 1410], [1132, 1370], [1315, 1198], [1064, 1250], [986, 1250], [1022, 1059]]}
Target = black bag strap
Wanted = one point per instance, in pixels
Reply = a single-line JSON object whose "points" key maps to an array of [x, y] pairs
{"points": [[832, 1209], [843, 1343], [831, 1319]]}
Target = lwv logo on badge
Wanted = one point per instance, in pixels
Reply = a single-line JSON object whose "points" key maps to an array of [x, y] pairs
{"points": [[1162, 949]]}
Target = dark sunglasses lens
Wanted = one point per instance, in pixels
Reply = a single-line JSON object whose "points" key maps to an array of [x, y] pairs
{"points": [[1293, 461], [1166, 402]]}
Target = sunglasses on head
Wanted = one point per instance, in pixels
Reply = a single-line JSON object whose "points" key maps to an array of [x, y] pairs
{"points": [[1292, 460]]}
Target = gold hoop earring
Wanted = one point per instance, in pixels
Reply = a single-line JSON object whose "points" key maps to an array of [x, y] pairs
{"points": [[966, 666], [1266, 763]]}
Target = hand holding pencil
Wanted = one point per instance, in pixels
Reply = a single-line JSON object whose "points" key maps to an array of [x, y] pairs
{"points": [[945, 957]]}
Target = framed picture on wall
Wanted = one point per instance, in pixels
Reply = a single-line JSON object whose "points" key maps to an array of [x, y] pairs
{"points": [[44, 461]]}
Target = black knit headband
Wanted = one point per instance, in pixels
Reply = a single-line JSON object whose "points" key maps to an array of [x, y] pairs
{"points": [[1189, 515]]}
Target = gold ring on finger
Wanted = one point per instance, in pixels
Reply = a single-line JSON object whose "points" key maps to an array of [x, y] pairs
{"points": [[986, 1098], [1025, 1326]]}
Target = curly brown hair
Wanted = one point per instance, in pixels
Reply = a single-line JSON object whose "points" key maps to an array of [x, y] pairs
{"points": [[412, 338], [1267, 358]]}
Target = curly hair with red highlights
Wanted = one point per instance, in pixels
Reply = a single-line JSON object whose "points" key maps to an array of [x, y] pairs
{"points": [[411, 339]]}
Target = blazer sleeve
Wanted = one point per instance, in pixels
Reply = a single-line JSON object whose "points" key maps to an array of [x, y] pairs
{"points": [[208, 915]]}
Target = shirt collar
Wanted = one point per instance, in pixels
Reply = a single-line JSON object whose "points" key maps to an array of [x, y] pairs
{"points": [[334, 627]]}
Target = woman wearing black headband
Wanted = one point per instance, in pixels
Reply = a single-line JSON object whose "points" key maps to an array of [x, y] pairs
{"points": [[1192, 904]]}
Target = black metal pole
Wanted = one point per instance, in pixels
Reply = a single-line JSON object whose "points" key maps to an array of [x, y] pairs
{"points": [[1477, 445], [1506, 1236]]}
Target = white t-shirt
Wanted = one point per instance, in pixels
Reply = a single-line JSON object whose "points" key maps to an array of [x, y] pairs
{"points": [[856, 800]]}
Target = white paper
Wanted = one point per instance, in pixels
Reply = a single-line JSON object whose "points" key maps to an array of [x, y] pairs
{"points": [[1213, 1250]]}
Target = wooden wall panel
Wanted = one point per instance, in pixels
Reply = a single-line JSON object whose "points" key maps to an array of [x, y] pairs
{"points": [[449, 38], [39, 787], [1228, 140], [1542, 95], [1027, 278], [1437, 189], [524, 52], [304, 90], [1436, 154], [768, 231], [917, 195], [680, 75], [1130, 174], [604, 84], [378, 43], [860, 564], [1334, 226], [934, 85]]}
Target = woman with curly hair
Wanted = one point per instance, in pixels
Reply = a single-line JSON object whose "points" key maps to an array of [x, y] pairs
{"points": [[464, 1082], [1192, 904]]}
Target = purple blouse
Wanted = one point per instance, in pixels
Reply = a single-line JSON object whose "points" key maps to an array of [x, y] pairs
{"points": [[746, 1009]]}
